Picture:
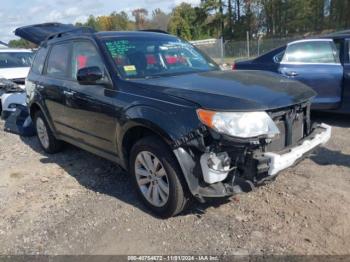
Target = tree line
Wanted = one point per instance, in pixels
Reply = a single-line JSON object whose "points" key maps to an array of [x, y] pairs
{"points": [[231, 19]]}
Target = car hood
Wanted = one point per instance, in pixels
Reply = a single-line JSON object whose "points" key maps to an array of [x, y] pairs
{"points": [[14, 73], [233, 90], [39, 32]]}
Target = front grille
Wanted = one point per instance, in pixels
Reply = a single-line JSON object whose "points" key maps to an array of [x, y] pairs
{"points": [[280, 142], [293, 124]]}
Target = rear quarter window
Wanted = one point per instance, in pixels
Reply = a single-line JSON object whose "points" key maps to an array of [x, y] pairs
{"points": [[39, 61]]}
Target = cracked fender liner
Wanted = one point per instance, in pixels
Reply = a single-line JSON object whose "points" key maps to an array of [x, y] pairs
{"points": [[187, 163], [188, 167], [195, 134]]}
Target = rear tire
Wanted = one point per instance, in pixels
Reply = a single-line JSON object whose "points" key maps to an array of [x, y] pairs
{"points": [[158, 177], [45, 136]]}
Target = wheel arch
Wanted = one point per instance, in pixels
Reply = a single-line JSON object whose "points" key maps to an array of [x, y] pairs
{"points": [[170, 124], [34, 108], [137, 131]]}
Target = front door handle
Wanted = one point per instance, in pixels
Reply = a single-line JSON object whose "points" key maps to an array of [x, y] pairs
{"points": [[68, 93], [291, 74], [40, 87]]}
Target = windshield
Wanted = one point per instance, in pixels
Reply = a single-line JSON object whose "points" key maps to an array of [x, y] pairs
{"points": [[146, 58], [15, 59]]}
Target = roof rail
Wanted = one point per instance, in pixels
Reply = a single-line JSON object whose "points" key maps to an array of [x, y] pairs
{"points": [[81, 29], [339, 33], [154, 31]]}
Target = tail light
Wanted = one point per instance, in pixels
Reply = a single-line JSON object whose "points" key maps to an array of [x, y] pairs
{"points": [[234, 66]]}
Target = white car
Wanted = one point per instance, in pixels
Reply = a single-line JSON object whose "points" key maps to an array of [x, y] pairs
{"points": [[14, 68]]}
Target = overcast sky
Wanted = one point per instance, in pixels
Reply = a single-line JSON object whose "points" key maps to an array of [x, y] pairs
{"points": [[14, 13]]}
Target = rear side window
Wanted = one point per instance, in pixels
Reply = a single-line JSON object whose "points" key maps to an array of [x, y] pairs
{"points": [[323, 52], [39, 61], [58, 62]]}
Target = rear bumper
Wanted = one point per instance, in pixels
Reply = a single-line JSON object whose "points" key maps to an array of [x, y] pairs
{"points": [[279, 162]]}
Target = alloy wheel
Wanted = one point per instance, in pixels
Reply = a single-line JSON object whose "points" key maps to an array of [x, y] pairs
{"points": [[42, 132], [152, 178]]}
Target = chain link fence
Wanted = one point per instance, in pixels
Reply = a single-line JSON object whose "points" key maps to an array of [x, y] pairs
{"points": [[214, 48], [225, 52]]}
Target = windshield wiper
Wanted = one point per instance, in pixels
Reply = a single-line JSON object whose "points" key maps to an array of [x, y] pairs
{"points": [[180, 73], [167, 74], [143, 78]]}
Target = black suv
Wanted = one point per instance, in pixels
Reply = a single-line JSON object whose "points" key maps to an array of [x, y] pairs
{"points": [[165, 112]]}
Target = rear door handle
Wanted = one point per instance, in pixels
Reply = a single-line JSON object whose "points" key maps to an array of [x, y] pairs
{"points": [[292, 74]]}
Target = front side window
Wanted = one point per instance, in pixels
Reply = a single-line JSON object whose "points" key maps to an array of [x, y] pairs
{"points": [[149, 57], [15, 59], [311, 52], [85, 55], [57, 64], [39, 61]]}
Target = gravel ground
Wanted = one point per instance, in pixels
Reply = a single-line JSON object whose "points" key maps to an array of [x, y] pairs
{"points": [[76, 203]]}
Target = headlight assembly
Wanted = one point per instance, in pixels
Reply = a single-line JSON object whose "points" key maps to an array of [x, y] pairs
{"points": [[239, 124]]}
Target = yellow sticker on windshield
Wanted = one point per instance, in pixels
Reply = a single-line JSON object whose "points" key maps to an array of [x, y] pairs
{"points": [[129, 68]]}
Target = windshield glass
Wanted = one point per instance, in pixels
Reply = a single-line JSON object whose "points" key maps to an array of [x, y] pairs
{"points": [[146, 58], [15, 59]]}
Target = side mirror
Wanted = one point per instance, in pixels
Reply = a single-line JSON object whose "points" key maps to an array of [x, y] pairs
{"points": [[89, 75], [278, 58]]}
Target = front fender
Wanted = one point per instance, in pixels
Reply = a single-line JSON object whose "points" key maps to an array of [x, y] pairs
{"points": [[170, 124], [173, 122]]}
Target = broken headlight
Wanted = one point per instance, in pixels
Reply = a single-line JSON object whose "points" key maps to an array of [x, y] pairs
{"points": [[239, 124]]}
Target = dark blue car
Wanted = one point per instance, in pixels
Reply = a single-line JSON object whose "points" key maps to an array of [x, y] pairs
{"points": [[322, 64]]}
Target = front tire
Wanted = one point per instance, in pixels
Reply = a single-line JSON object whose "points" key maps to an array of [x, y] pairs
{"points": [[157, 177], [45, 136]]}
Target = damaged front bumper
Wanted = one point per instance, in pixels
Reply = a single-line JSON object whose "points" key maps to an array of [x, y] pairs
{"points": [[223, 174], [279, 162]]}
